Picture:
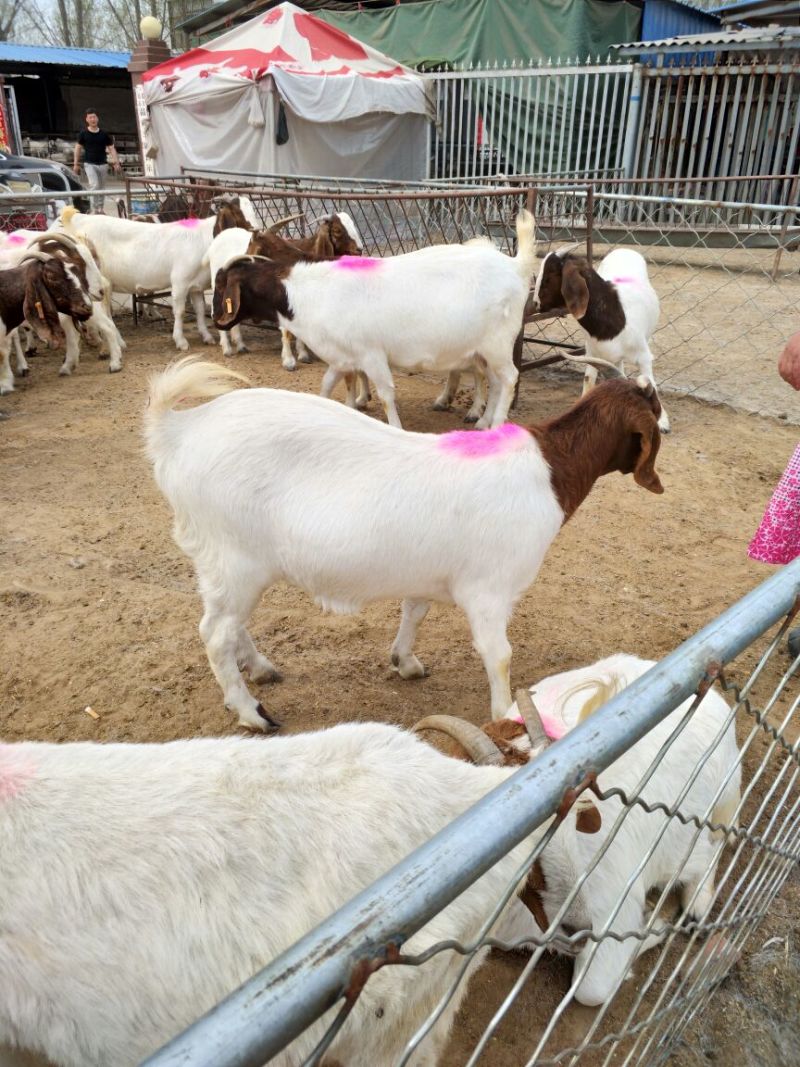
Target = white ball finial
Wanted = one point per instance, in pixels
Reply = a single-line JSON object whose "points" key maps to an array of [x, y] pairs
{"points": [[150, 28]]}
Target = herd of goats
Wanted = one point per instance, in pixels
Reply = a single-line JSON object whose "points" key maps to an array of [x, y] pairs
{"points": [[140, 884]]}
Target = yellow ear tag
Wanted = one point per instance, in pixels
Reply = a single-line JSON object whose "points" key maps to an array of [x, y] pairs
{"points": [[229, 305], [39, 309]]}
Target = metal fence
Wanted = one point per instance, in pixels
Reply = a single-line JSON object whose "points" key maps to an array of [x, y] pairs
{"points": [[589, 120], [727, 272], [527, 1009]]}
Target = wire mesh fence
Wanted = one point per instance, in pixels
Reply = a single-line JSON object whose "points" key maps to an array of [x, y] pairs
{"points": [[727, 274], [698, 789]]}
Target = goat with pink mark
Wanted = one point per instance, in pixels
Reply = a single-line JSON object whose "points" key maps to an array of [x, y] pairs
{"points": [[438, 309], [271, 486], [99, 327], [138, 259], [616, 307]]}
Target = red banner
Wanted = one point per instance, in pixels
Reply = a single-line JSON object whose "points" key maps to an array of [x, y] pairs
{"points": [[5, 137]]}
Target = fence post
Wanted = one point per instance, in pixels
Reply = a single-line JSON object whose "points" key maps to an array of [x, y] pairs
{"points": [[632, 121]]}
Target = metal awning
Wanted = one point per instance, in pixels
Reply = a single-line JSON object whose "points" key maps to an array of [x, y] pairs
{"points": [[754, 39]]}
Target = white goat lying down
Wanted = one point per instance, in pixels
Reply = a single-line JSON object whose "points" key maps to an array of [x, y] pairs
{"points": [[140, 884], [271, 486], [616, 307], [138, 259], [435, 309], [564, 700]]}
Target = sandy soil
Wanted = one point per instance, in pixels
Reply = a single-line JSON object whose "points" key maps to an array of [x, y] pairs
{"points": [[98, 608]]}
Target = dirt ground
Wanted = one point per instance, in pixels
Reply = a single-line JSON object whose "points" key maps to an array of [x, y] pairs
{"points": [[98, 609]]}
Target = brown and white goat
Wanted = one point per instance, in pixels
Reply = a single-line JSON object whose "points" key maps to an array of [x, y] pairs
{"points": [[615, 305], [438, 519], [36, 292], [337, 236], [333, 239]]}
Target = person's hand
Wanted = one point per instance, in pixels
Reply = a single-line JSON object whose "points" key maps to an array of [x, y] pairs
{"points": [[789, 363], [76, 167], [116, 166]]}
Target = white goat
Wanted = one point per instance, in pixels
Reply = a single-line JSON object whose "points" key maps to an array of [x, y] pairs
{"points": [[681, 851], [137, 258], [269, 485], [435, 309], [648, 850], [140, 884], [99, 328], [228, 245], [616, 307]]}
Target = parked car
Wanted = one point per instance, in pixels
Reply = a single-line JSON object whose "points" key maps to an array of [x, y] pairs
{"points": [[26, 174]]}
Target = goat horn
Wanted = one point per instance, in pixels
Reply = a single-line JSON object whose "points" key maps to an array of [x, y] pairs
{"points": [[54, 235], [236, 259], [532, 719], [40, 257], [480, 748], [566, 249], [275, 226], [598, 364]]}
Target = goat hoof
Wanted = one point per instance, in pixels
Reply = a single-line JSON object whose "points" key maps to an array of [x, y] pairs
{"points": [[25, 372], [208, 340], [290, 366], [64, 372], [182, 345], [6, 389], [305, 359], [115, 368], [272, 724], [103, 355], [440, 405], [242, 348], [395, 660], [469, 417], [267, 674]]}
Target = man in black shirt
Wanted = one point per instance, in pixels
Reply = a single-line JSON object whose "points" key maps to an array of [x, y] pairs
{"points": [[95, 144]]}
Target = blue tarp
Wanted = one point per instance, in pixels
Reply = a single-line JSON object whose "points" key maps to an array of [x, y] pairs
{"points": [[65, 57]]}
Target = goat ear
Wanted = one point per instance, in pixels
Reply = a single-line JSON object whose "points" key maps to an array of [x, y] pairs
{"points": [[227, 299], [574, 290], [323, 245], [644, 472], [40, 310]]}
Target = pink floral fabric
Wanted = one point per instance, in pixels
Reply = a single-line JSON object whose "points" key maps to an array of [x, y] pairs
{"points": [[777, 539]]}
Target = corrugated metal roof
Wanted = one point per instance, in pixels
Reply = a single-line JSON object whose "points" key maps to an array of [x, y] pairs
{"points": [[65, 57], [755, 39]]}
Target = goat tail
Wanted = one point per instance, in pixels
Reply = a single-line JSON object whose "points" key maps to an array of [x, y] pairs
{"points": [[67, 214], [525, 258], [186, 379]]}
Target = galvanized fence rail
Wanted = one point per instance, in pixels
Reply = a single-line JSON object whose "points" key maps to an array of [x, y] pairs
{"points": [[316, 983]]}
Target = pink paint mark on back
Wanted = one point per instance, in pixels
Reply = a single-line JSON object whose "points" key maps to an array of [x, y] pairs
{"points": [[625, 281], [17, 239], [476, 444], [16, 771], [188, 224], [358, 263]]}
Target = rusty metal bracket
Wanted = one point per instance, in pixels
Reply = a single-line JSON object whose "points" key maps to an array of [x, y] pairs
{"points": [[365, 968]]}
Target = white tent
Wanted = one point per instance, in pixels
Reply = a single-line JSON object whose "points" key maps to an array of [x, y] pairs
{"points": [[286, 93]]}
